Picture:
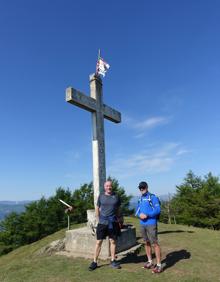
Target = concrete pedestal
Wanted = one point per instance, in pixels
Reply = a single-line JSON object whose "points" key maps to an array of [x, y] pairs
{"points": [[81, 243]]}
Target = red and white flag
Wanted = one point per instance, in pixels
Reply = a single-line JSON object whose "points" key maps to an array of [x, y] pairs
{"points": [[101, 66]]}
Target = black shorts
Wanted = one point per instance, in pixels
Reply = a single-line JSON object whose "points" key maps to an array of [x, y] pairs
{"points": [[102, 231]]}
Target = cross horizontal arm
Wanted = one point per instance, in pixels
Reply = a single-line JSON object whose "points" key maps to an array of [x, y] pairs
{"points": [[111, 114], [81, 100]]}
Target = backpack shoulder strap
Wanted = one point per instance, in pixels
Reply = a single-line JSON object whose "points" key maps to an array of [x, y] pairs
{"points": [[152, 195], [150, 202]]}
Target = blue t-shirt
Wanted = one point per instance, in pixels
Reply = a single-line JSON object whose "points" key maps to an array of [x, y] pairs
{"points": [[148, 204]]}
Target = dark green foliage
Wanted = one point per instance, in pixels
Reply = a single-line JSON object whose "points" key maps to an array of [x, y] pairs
{"points": [[82, 201], [4, 249], [125, 200], [197, 202]]}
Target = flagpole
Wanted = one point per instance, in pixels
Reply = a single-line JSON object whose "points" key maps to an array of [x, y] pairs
{"points": [[99, 53]]}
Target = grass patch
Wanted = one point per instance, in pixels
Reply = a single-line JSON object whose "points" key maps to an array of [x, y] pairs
{"points": [[190, 254]]}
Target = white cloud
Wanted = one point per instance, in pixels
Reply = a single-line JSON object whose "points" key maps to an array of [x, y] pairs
{"points": [[142, 127], [154, 160], [139, 135], [151, 122], [182, 152]]}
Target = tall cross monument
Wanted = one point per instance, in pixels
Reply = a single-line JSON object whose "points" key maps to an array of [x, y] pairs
{"points": [[94, 104]]}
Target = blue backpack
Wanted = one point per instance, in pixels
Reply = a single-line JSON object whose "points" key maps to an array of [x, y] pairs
{"points": [[151, 204]]}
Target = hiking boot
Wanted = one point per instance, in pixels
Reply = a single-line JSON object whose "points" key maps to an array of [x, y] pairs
{"points": [[148, 265], [157, 269], [115, 264], [93, 266]]}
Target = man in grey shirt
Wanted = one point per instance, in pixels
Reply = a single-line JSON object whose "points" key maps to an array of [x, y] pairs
{"points": [[107, 213]]}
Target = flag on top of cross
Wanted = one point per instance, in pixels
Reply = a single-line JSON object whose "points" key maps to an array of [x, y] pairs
{"points": [[101, 66]]}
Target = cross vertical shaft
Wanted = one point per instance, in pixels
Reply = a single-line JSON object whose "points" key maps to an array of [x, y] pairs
{"points": [[98, 142]]}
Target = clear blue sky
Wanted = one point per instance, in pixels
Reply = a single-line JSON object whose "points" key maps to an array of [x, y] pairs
{"points": [[164, 78]]}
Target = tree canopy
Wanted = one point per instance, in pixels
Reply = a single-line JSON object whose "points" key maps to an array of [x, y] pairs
{"points": [[196, 202]]}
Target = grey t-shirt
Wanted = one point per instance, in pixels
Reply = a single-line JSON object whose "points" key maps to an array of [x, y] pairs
{"points": [[108, 205]]}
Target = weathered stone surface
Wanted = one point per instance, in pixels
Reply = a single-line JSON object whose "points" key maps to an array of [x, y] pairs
{"points": [[98, 140], [81, 100], [91, 219], [111, 114], [85, 102], [132, 251], [126, 240], [81, 243], [53, 247]]}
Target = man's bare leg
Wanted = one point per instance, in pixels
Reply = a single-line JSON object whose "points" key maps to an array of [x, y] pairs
{"points": [[148, 251], [157, 253], [97, 249], [112, 248]]}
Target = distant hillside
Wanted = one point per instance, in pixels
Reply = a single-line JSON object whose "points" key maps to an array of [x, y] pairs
{"points": [[7, 207], [134, 199]]}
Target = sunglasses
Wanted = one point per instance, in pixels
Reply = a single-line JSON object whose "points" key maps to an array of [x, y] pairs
{"points": [[142, 188]]}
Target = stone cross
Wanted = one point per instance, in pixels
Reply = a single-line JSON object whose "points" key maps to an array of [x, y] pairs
{"points": [[94, 104]]}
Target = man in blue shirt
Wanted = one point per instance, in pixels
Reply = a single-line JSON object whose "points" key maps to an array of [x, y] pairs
{"points": [[148, 211]]}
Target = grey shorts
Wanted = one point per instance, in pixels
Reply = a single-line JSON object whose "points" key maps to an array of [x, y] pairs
{"points": [[149, 233]]}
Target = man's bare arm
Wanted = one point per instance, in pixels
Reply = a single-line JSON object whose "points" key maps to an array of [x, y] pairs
{"points": [[97, 212]]}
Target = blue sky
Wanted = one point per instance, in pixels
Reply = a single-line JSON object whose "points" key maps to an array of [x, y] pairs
{"points": [[164, 79]]}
